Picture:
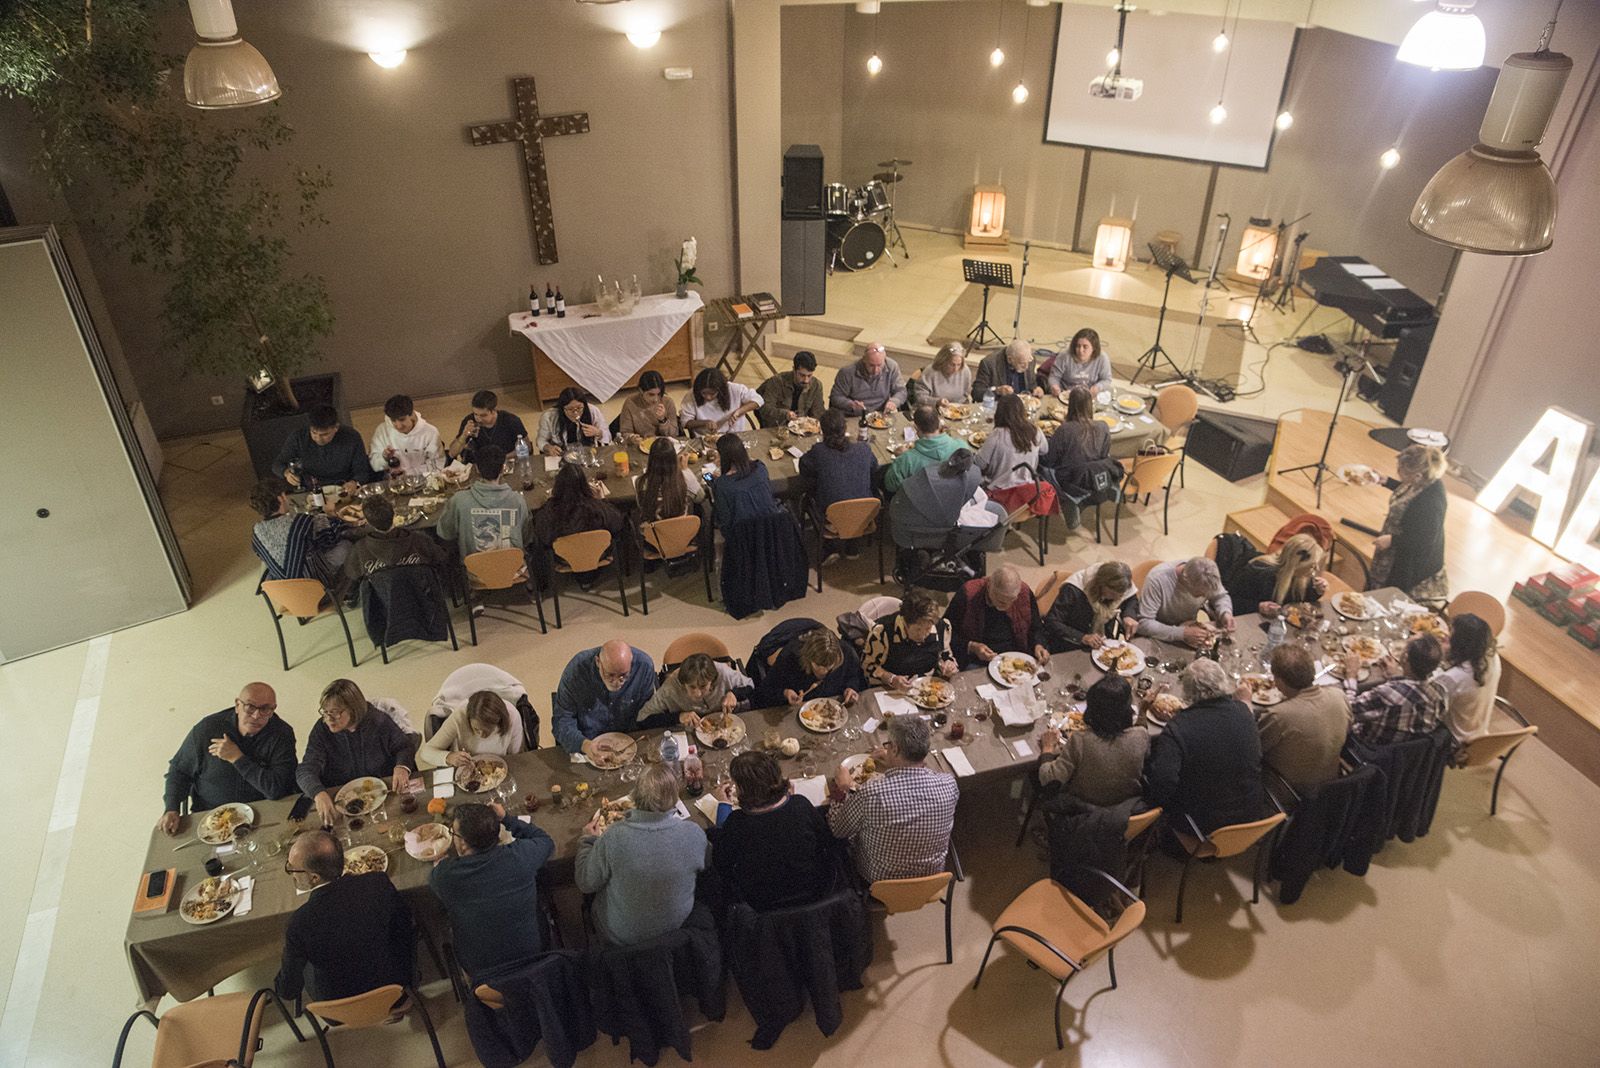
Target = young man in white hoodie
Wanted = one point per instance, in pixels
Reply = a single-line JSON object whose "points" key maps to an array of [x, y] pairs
{"points": [[406, 439]]}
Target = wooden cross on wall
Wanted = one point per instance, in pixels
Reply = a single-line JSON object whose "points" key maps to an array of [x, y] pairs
{"points": [[530, 129]]}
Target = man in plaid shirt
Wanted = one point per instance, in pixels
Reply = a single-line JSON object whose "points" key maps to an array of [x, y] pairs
{"points": [[899, 823], [1401, 707]]}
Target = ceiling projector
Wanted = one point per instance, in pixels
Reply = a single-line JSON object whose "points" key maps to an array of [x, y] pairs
{"points": [[1116, 87]]}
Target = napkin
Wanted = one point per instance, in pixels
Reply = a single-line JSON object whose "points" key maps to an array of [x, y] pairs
{"points": [[895, 706], [552, 463], [813, 789], [957, 759], [870, 726], [1022, 748], [911, 433], [247, 886], [989, 692], [797, 466], [707, 806], [1015, 707], [444, 789], [1146, 419], [682, 811], [577, 758], [525, 819], [794, 450]]}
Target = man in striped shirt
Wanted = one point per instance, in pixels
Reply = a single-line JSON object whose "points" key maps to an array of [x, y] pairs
{"points": [[898, 824], [1403, 706]]}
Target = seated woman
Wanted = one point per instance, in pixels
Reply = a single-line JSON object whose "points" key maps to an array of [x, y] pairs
{"points": [[699, 687], [742, 490], [667, 488], [1080, 447], [485, 725], [947, 378], [1103, 765], [716, 406], [296, 546], [1014, 441], [812, 664], [1470, 677], [649, 413], [642, 870], [912, 641], [837, 469], [572, 423], [1268, 582], [1096, 603], [352, 739], [1084, 364], [572, 509], [774, 850]]}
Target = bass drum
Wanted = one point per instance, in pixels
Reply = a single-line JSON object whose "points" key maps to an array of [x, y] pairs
{"points": [[856, 245]]}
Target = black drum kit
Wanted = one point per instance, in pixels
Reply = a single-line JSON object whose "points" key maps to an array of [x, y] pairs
{"points": [[861, 226]]}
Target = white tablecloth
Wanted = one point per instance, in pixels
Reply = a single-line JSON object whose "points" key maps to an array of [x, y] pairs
{"points": [[603, 352]]}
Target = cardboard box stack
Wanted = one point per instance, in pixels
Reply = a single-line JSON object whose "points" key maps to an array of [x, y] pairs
{"points": [[1567, 597]]}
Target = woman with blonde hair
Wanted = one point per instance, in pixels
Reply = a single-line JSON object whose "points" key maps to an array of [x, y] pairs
{"points": [[947, 378], [1409, 553], [810, 662], [1266, 583], [1094, 604]]}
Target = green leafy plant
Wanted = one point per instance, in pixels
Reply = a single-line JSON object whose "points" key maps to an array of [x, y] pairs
{"points": [[162, 183]]}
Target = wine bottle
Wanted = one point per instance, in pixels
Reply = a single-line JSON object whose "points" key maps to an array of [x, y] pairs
{"points": [[533, 300], [561, 304], [549, 300]]}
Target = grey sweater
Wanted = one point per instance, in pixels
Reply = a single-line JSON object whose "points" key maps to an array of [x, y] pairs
{"points": [[1096, 770], [1164, 607], [672, 697], [874, 392], [642, 875]]}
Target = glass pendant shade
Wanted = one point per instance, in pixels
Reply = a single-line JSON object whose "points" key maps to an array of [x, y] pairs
{"points": [[1450, 37], [227, 74]]}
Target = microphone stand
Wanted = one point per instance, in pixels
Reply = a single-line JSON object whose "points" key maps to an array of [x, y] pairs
{"points": [[1021, 282], [1348, 369], [1212, 281]]}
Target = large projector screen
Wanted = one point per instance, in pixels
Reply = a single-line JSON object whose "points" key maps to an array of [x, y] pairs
{"points": [[1183, 79]]}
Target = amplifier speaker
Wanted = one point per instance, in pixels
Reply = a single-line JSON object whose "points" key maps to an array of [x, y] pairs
{"points": [[1234, 446], [1405, 368], [802, 182], [803, 266]]}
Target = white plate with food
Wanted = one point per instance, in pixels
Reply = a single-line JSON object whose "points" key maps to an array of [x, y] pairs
{"points": [[1336, 669], [1119, 657], [957, 412], [876, 420], [1129, 405], [618, 749], [823, 715], [1110, 422], [217, 826], [360, 796], [611, 812], [1423, 621], [1423, 436], [1163, 706], [719, 730], [1013, 669], [482, 774], [361, 859], [1048, 427], [1263, 690], [1305, 614], [931, 693], [1356, 606], [428, 841], [862, 768], [976, 438], [805, 426], [209, 900], [1368, 648], [1069, 722]]}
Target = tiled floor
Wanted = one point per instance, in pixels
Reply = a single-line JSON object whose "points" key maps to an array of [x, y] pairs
{"points": [[1472, 946]]}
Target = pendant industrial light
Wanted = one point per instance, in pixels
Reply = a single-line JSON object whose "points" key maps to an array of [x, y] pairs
{"points": [[1450, 37], [1219, 114], [222, 70], [1019, 95], [1498, 196]]}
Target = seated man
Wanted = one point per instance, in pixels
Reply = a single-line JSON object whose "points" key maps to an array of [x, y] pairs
{"points": [[699, 687], [871, 384], [1206, 764], [1007, 370], [490, 891], [244, 753], [486, 424], [351, 934], [791, 394], [405, 443], [932, 446], [487, 514], [294, 545], [331, 454], [898, 824], [1404, 705], [385, 547], [1174, 593], [1302, 735], [352, 737], [994, 615], [601, 690]]}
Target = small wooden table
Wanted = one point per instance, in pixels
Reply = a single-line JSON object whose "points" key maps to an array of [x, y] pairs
{"points": [[746, 334]]}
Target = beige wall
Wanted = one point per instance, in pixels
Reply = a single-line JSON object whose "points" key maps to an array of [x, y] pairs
{"points": [[813, 83]]}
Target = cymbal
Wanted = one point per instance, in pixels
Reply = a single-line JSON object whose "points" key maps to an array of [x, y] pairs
{"points": [[894, 163], [888, 176]]}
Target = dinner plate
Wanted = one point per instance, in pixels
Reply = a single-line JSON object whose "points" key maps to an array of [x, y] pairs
{"points": [[1129, 405], [1423, 621], [482, 775], [1020, 667], [358, 860], [1163, 706], [1423, 436], [1356, 606], [931, 693], [612, 812], [369, 791], [877, 421], [805, 426], [977, 437], [720, 730], [216, 827], [1263, 691], [1336, 669], [823, 715], [623, 749], [1368, 648], [218, 890], [1102, 658], [1110, 422], [1302, 615], [1069, 721], [428, 841], [862, 768], [954, 411]]}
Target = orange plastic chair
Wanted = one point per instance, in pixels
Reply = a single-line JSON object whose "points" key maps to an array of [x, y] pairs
{"points": [[1047, 593], [1141, 571], [369, 1010], [1061, 935], [686, 645], [220, 1030], [1500, 745], [1228, 841], [302, 598], [844, 520], [1485, 606], [909, 895], [581, 553], [493, 570], [1175, 408], [667, 540], [1147, 474]]}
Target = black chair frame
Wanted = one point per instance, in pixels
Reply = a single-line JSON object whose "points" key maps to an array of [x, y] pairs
{"points": [[1122, 495], [1263, 847], [819, 520], [245, 1052], [416, 1002], [705, 547], [472, 619], [1505, 758], [952, 864], [277, 625], [616, 563]]}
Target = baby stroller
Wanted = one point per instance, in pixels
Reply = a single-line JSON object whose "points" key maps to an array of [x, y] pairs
{"points": [[932, 549]]}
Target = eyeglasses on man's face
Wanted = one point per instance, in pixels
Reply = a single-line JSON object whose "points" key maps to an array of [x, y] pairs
{"points": [[257, 711]]}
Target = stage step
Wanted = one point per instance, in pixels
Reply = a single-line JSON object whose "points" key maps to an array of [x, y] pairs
{"points": [[837, 352], [810, 324]]}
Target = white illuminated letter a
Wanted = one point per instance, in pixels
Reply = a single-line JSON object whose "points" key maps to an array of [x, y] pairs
{"points": [[1578, 540], [1569, 436]]}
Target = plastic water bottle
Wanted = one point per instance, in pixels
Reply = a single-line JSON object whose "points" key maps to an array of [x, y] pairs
{"points": [[669, 754], [522, 465], [1276, 630], [989, 401]]}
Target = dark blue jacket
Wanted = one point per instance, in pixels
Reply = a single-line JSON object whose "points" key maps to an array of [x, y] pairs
{"points": [[492, 900], [584, 708], [344, 459], [737, 499], [835, 475]]}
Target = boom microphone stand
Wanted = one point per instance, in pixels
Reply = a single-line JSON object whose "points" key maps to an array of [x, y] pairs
{"points": [[1347, 369]]}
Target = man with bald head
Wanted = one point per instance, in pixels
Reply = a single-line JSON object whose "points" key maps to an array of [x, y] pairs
{"points": [[994, 615], [871, 384], [602, 690], [244, 753]]}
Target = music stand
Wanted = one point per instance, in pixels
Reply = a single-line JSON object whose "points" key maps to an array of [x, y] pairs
{"points": [[985, 273], [1173, 264]]}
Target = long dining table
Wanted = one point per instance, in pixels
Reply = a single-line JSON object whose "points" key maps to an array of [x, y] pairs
{"points": [[167, 954]]}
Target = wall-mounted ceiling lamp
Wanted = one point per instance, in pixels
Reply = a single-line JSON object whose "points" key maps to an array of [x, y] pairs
{"points": [[1019, 95], [1390, 159], [388, 60], [1284, 120], [1498, 196], [644, 38], [1450, 37], [222, 71]]}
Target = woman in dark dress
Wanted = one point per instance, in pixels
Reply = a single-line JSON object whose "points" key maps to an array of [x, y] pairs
{"points": [[572, 509], [912, 641], [1409, 553], [774, 850], [1097, 603], [1266, 583], [743, 490], [813, 664]]}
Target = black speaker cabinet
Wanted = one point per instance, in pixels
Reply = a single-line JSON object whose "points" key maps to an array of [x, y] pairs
{"points": [[1405, 368], [802, 183], [1234, 446], [804, 259]]}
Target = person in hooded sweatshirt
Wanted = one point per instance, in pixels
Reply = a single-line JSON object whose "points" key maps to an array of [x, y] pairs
{"points": [[487, 514], [405, 439]]}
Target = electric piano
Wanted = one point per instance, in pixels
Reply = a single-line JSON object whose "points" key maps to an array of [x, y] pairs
{"points": [[1367, 294]]}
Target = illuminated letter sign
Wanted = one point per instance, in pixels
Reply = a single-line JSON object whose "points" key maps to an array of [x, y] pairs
{"points": [[1578, 540], [1569, 437]]}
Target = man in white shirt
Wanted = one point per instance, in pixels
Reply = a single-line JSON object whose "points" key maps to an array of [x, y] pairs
{"points": [[405, 442]]}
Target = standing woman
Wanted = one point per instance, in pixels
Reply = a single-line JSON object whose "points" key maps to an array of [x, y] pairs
{"points": [[947, 378], [572, 422], [1268, 582], [1410, 551], [715, 405], [1083, 364], [1013, 441], [649, 413], [667, 488]]}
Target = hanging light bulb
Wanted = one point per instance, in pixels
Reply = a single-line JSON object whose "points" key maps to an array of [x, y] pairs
{"points": [[1450, 37], [1218, 114], [1112, 57], [1284, 120], [1019, 94], [874, 64], [1390, 159], [996, 57], [1219, 43]]}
